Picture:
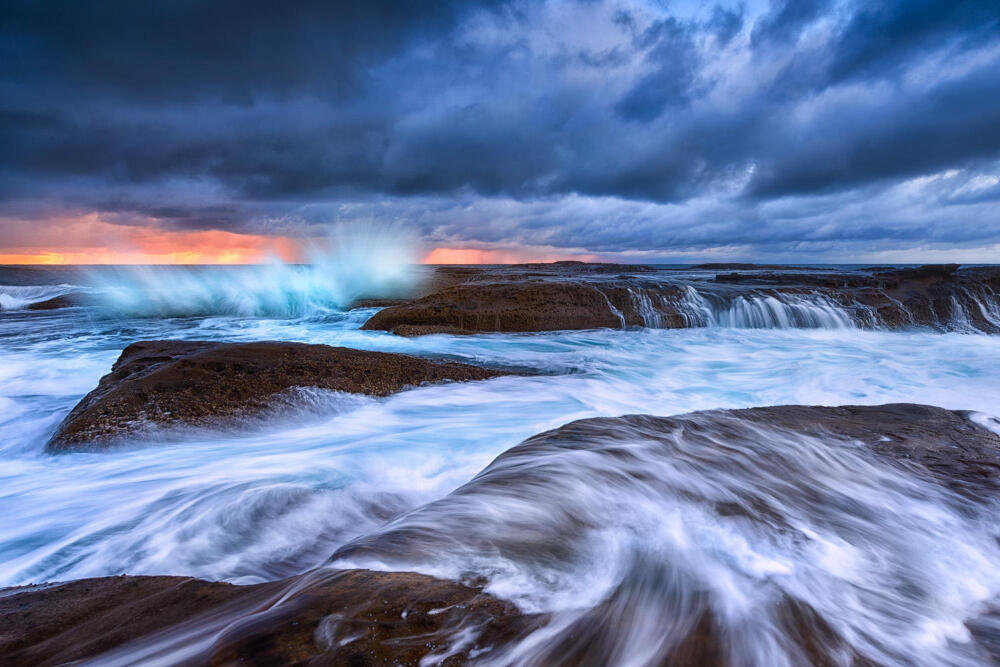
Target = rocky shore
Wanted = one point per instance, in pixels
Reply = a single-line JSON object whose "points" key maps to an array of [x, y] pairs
{"points": [[782, 471], [359, 617], [198, 383], [524, 298], [944, 447], [578, 295], [742, 479], [352, 617]]}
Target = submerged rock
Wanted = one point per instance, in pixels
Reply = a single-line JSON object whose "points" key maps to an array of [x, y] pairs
{"points": [[70, 300], [353, 617], [158, 383]]}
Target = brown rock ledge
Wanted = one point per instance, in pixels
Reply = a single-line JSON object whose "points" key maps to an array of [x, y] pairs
{"points": [[527, 298], [346, 617], [357, 617], [197, 383], [519, 306], [938, 446]]}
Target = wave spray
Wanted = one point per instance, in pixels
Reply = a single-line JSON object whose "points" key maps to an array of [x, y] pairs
{"points": [[353, 262]]}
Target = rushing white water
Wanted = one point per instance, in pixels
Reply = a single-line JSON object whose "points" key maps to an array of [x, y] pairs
{"points": [[323, 470], [753, 311], [356, 262], [633, 530], [16, 297], [987, 307], [681, 299], [768, 312], [179, 508]]}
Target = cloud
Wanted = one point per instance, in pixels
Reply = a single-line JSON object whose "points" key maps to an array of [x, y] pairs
{"points": [[784, 22], [509, 122], [674, 67]]}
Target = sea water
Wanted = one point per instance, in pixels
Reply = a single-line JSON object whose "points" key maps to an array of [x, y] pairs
{"points": [[280, 494]]}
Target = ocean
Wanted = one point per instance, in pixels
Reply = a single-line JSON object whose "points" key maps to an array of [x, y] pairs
{"points": [[894, 564]]}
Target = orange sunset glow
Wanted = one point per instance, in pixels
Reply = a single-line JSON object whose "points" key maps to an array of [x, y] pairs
{"points": [[88, 239]]}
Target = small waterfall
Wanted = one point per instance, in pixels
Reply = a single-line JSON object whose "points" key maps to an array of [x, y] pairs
{"points": [[791, 311], [959, 320], [687, 307], [690, 308], [643, 303], [673, 305], [987, 308], [695, 308], [614, 311], [968, 306]]}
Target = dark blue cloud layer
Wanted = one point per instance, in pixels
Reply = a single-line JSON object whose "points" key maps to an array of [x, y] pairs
{"points": [[249, 115]]}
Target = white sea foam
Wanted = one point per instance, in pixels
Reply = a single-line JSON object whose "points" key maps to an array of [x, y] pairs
{"points": [[616, 529], [16, 297], [356, 261], [284, 494]]}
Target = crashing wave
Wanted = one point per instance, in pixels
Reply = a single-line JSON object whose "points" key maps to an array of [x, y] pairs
{"points": [[357, 263], [18, 297]]}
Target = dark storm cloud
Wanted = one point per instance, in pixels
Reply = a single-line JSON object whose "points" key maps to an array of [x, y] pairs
{"points": [[726, 22], [671, 52], [243, 115], [785, 21], [952, 124], [881, 38], [176, 51]]}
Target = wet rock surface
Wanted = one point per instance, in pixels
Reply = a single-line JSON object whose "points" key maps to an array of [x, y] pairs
{"points": [[51, 624], [790, 472], [353, 617], [158, 383], [71, 300], [545, 297], [945, 446], [347, 617], [361, 617], [525, 298], [515, 306]]}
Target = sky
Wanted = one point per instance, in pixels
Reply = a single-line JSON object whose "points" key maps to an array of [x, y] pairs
{"points": [[617, 130]]}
